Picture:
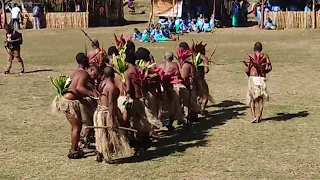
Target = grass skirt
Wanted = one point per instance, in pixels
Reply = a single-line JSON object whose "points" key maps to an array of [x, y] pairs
{"points": [[257, 88], [171, 105], [73, 109], [203, 90], [110, 142], [184, 94]]}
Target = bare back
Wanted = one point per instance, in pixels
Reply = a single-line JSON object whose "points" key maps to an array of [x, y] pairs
{"points": [[109, 96], [93, 56], [171, 69], [264, 65], [119, 84], [133, 82], [187, 73]]}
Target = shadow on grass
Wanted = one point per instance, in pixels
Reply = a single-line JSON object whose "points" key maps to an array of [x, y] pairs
{"points": [[131, 22], [180, 139], [287, 116], [39, 70]]}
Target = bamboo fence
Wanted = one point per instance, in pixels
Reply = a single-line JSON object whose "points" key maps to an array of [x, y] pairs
{"points": [[291, 20], [67, 20], [56, 20]]}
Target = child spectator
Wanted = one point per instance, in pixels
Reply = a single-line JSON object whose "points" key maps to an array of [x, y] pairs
{"points": [[137, 35]]}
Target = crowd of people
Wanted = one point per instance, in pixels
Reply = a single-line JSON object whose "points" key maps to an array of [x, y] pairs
{"points": [[169, 29], [17, 18], [122, 96]]}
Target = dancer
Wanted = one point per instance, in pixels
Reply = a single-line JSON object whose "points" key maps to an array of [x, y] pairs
{"points": [[110, 141], [71, 104], [171, 79], [201, 83], [188, 72], [258, 66]]}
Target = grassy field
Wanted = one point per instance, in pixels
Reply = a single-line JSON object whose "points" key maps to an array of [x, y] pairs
{"points": [[34, 143]]}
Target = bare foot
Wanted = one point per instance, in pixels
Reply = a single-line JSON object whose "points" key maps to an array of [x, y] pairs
{"points": [[255, 120]]}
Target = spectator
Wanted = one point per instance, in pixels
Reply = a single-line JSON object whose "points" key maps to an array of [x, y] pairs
{"points": [[8, 8], [137, 34], [15, 15], [307, 8], [36, 17], [269, 24]]}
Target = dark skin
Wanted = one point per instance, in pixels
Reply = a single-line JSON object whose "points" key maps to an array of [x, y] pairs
{"points": [[77, 90], [201, 75], [133, 89], [109, 95], [251, 70], [169, 67], [188, 74]]}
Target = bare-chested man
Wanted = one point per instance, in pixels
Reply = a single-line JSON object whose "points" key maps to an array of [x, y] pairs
{"points": [[171, 100], [82, 61], [151, 84], [257, 68], [202, 86], [76, 112], [111, 141], [188, 73], [94, 56], [138, 114]]}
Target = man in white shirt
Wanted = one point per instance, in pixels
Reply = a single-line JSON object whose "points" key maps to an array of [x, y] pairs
{"points": [[15, 15]]}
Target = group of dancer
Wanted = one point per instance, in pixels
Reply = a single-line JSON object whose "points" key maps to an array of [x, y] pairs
{"points": [[123, 102]]}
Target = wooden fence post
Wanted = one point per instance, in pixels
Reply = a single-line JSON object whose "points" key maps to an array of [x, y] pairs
{"points": [[314, 15], [262, 15]]}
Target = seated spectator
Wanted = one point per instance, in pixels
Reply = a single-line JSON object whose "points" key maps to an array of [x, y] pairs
{"points": [[200, 22], [276, 8], [183, 27], [177, 24], [137, 35], [206, 26], [152, 30], [146, 37], [268, 24]]}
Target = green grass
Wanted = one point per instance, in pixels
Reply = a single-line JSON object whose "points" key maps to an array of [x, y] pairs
{"points": [[34, 143]]}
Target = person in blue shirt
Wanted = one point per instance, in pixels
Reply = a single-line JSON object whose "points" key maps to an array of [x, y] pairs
{"points": [[159, 36], [177, 25], [165, 32], [235, 14], [244, 10], [183, 27], [137, 35], [170, 23], [206, 26], [152, 30], [193, 25], [268, 24], [275, 8], [307, 8], [162, 21], [200, 22], [146, 37]]}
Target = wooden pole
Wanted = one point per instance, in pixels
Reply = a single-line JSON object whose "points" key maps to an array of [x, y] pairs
{"points": [[107, 127], [314, 15], [262, 14], [151, 14], [5, 21], [214, 10]]}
